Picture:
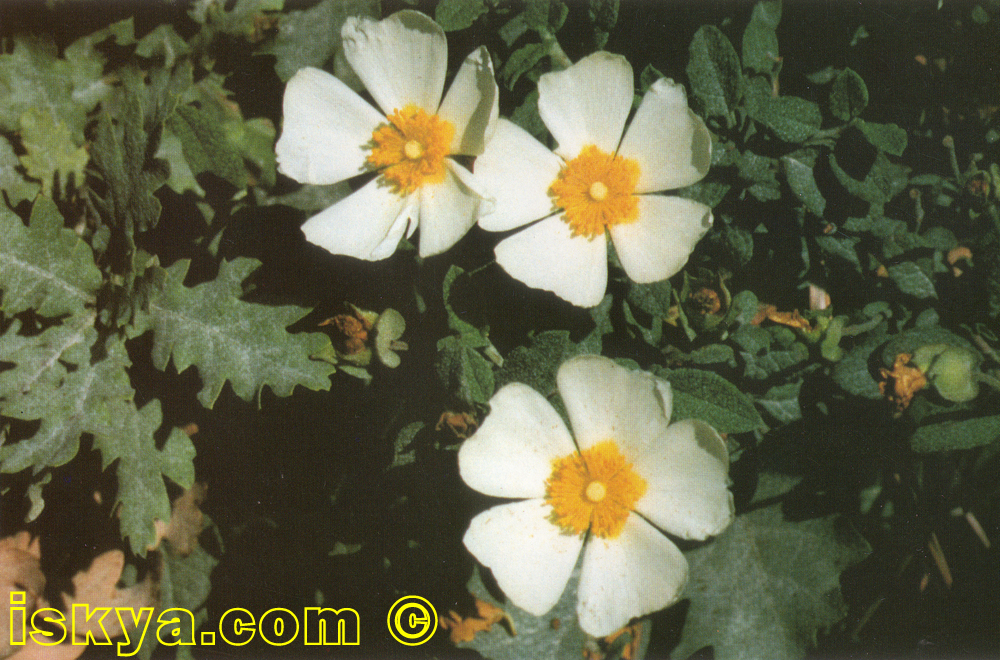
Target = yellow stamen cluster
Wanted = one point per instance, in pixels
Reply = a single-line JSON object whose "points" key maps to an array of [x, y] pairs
{"points": [[593, 490], [596, 190], [409, 150]]}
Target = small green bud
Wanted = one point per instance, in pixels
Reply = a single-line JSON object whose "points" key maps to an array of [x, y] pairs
{"points": [[949, 369]]}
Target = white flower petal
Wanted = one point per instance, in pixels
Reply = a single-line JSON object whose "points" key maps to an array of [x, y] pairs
{"points": [[529, 556], [685, 473], [587, 103], [547, 256], [471, 104], [326, 128], [401, 59], [516, 170], [512, 452], [639, 572], [658, 244], [671, 144], [366, 224], [606, 401], [447, 211]]}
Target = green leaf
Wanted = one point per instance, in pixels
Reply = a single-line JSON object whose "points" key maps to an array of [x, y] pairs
{"points": [[141, 468], [766, 586], [714, 354], [54, 380], [184, 583], [714, 71], [526, 115], [228, 339], [782, 402], [44, 266], [120, 152], [799, 172], [471, 335], [51, 156], [163, 42], [792, 119], [544, 16], [884, 181], [911, 280], [653, 298], [849, 95], [33, 77], [403, 452], [711, 398], [887, 137], [206, 146], [312, 37], [238, 18], [760, 39], [12, 182], [648, 76], [852, 372], [536, 365], [522, 61], [464, 371], [181, 177], [964, 434], [458, 14], [604, 15], [844, 247]]}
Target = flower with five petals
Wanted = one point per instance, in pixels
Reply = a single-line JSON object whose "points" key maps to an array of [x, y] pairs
{"points": [[627, 470], [331, 134], [597, 182]]}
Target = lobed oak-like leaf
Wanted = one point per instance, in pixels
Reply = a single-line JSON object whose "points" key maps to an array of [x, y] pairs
{"points": [[229, 339], [44, 266]]}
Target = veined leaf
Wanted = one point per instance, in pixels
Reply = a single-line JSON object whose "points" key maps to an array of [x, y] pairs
{"points": [[12, 182], [458, 14], [141, 468], [44, 266], [55, 380], [312, 37], [230, 339], [714, 71], [711, 398], [51, 154], [760, 39], [766, 585]]}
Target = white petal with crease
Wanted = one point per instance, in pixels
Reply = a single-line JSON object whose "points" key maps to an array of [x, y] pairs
{"points": [[471, 104], [512, 452], [671, 144], [516, 170], [685, 473], [658, 244], [587, 103], [401, 59], [325, 130], [447, 211], [606, 401], [529, 556], [639, 572], [366, 224], [547, 256]]}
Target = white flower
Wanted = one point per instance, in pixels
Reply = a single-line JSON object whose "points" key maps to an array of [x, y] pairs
{"points": [[331, 134], [627, 460], [597, 180]]}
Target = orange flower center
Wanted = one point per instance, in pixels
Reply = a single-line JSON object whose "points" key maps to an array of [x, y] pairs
{"points": [[593, 490], [410, 149], [596, 190]]}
